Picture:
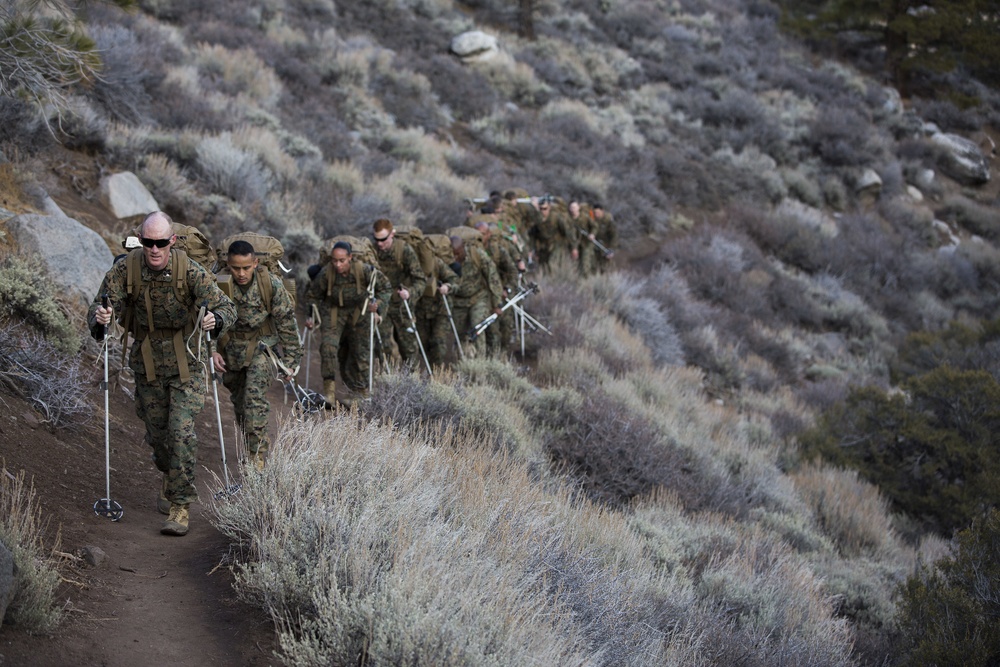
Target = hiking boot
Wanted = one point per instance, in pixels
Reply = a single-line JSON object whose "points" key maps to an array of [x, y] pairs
{"points": [[257, 461], [177, 522], [162, 504]]}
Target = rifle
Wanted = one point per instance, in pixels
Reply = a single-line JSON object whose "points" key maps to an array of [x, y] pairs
{"points": [[511, 302], [600, 246]]}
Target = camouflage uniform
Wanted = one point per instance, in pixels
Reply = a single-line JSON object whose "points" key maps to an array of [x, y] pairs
{"points": [[566, 237], [476, 294], [498, 336], [249, 371], [580, 228], [168, 395], [401, 267], [432, 318], [342, 302], [607, 234]]}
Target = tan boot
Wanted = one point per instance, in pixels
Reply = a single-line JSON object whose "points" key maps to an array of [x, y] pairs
{"points": [[162, 504], [257, 461], [177, 522]]}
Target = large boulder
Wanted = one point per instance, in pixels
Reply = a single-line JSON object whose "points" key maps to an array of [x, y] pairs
{"points": [[475, 46], [6, 579], [964, 160], [75, 257], [126, 196]]}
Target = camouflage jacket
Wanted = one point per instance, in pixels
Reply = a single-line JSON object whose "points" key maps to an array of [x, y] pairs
{"points": [[255, 324], [578, 229], [164, 312], [401, 266], [506, 266], [331, 292], [477, 279], [607, 231]]}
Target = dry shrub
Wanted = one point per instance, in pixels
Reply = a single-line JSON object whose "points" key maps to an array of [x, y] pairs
{"points": [[167, 183], [363, 539], [239, 72], [232, 171], [486, 413], [33, 605], [267, 145], [851, 511]]}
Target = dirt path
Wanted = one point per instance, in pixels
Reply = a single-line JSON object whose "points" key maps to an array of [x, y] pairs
{"points": [[156, 599]]}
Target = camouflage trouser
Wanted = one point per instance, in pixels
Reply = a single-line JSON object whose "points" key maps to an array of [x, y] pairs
{"points": [[468, 313], [344, 346], [248, 392], [168, 406], [499, 333], [435, 331], [588, 259], [402, 328]]}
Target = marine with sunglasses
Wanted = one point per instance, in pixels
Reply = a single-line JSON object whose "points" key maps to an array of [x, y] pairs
{"points": [[157, 293]]}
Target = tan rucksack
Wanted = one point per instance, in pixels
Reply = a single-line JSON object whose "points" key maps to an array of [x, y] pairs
{"points": [[417, 240]]}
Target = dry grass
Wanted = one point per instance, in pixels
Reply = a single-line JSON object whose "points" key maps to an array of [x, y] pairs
{"points": [[853, 512], [22, 529]]}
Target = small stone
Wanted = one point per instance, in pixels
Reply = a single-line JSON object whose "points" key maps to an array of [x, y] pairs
{"points": [[93, 556]]}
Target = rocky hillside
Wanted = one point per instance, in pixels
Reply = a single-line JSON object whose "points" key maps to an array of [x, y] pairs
{"points": [[787, 221]]}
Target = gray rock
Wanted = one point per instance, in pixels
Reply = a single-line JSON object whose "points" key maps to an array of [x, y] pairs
{"points": [[475, 46], [964, 161], [93, 556], [126, 196], [6, 579], [49, 207], [869, 183], [75, 257], [893, 104]]}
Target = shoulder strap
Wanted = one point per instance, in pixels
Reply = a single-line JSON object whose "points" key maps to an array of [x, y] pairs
{"points": [[265, 286], [359, 276]]}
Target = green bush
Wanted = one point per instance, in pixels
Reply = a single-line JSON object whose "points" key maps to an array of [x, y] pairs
{"points": [[931, 451], [950, 612], [27, 294]]}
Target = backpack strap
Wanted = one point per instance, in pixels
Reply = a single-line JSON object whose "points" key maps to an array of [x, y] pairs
{"points": [[266, 295], [136, 288]]}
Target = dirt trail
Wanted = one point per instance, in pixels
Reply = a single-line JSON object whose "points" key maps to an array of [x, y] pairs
{"points": [[156, 599]]}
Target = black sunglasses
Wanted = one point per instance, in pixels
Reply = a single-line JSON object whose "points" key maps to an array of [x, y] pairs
{"points": [[380, 240], [159, 243]]}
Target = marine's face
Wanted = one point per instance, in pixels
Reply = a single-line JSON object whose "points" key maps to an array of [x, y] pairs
{"points": [[383, 239], [341, 261], [242, 268], [459, 252], [157, 240], [574, 209]]}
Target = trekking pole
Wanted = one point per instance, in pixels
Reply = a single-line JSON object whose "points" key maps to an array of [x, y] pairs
{"points": [[535, 324], [413, 323], [458, 339], [105, 506], [316, 322], [519, 315], [371, 347], [229, 489], [511, 302], [307, 400]]}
